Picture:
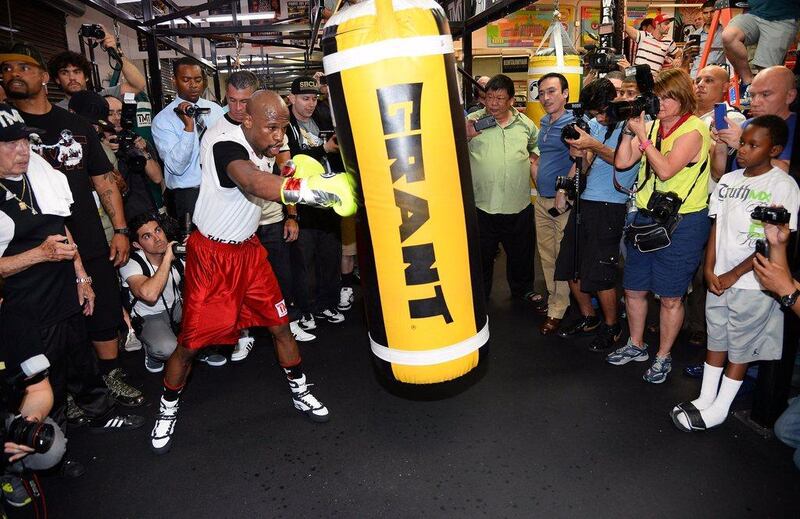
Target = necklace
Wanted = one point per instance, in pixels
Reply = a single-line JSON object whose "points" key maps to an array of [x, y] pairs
{"points": [[21, 201]]}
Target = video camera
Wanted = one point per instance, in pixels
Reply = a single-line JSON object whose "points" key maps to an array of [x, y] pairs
{"points": [[134, 158], [773, 215], [37, 435], [646, 101], [569, 131], [601, 59], [192, 111]]}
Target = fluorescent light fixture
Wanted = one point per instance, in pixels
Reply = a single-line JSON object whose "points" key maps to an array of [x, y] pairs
{"points": [[270, 15]]}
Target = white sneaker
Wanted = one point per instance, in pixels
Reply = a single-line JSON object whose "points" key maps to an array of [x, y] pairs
{"points": [[307, 322], [332, 316], [242, 349], [345, 299], [161, 436], [305, 402], [299, 333], [132, 342]]}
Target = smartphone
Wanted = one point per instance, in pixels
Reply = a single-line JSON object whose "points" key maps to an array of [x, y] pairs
{"points": [[694, 39], [555, 213], [720, 111], [762, 247], [485, 122]]}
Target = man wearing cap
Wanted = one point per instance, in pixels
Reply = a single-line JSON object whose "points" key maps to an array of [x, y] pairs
{"points": [[318, 248], [47, 290], [25, 77], [177, 135], [654, 48]]}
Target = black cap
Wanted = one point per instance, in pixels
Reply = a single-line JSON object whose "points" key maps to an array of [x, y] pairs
{"points": [[305, 85], [21, 51], [90, 106], [12, 125]]}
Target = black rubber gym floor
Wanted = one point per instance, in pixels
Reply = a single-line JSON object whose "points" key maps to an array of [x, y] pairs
{"points": [[546, 430]]}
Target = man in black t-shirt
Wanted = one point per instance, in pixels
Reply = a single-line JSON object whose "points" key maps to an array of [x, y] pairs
{"points": [[46, 285], [71, 146]]}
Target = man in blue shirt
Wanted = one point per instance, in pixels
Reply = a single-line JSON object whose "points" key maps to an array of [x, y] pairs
{"points": [[177, 135], [602, 210], [554, 160]]}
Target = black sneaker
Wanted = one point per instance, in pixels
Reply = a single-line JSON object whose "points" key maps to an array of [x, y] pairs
{"points": [[114, 421], [75, 415], [606, 338], [586, 324], [124, 393]]}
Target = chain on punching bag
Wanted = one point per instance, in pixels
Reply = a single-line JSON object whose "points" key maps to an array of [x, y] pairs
{"points": [[400, 125]]}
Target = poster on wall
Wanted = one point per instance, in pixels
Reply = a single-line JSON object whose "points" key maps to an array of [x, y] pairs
{"points": [[526, 27], [264, 6]]}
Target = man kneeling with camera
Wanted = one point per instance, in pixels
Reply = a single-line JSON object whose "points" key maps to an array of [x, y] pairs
{"points": [[588, 258], [154, 276]]}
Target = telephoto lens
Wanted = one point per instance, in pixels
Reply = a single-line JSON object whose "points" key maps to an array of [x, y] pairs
{"points": [[36, 435]]}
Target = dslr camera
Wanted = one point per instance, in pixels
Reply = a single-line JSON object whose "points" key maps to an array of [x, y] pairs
{"points": [[91, 30], [646, 101], [569, 132], [126, 137], [192, 111], [601, 59], [663, 207], [773, 215]]}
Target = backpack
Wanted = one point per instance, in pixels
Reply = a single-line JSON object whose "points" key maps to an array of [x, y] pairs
{"points": [[128, 299]]}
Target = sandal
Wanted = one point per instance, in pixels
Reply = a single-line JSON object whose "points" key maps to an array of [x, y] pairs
{"points": [[692, 415], [538, 301], [549, 326]]}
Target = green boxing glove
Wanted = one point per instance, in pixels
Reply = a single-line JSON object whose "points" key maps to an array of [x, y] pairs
{"points": [[336, 190]]}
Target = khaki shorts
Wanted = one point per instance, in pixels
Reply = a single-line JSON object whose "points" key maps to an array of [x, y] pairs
{"points": [[772, 37]]}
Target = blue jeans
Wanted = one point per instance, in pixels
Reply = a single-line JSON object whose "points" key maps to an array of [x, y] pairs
{"points": [[787, 428]]}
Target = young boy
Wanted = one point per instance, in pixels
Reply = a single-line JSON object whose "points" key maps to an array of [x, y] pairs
{"points": [[744, 323]]}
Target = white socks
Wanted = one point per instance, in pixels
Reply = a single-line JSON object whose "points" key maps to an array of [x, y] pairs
{"points": [[708, 390], [717, 412]]}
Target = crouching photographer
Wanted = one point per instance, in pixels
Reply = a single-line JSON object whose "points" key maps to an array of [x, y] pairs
{"points": [[31, 440], [154, 278], [666, 236], [589, 253]]}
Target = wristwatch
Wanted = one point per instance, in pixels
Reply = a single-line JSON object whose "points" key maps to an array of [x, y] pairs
{"points": [[122, 230], [87, 280], [789, 300]]}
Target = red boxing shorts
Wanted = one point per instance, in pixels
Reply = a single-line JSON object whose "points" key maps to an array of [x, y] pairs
{"points": [[227, 287]]}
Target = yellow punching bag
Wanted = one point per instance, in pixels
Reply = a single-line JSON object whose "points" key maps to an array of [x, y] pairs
{"points": [[400, 126]]}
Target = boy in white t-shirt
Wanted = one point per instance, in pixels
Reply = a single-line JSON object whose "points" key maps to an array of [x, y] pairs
{"points": [[744, 323]]}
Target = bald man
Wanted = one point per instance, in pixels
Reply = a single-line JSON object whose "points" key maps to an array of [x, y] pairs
{"points": [[711, 87], [772, 92], [480, 95], [229, 284]]}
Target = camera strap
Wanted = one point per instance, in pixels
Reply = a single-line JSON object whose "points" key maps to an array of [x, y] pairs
{"points": [[631, 191]]}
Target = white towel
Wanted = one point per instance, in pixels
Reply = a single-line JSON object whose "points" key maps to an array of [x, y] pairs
{"points": [[50, 187]]}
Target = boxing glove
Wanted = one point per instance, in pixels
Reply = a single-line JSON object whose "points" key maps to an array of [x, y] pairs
{"points": [[335, 190]]}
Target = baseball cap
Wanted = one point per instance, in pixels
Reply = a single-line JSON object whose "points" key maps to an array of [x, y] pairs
{"points": [[90, 106], [661, 18], [305, 85], [21, 51], [12, 125]]}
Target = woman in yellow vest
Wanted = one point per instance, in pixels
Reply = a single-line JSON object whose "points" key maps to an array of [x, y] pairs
{"points": [[671, 226]]}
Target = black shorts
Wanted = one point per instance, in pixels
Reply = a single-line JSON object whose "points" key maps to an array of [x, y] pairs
{"points": [[600, 234], [105, 321]]}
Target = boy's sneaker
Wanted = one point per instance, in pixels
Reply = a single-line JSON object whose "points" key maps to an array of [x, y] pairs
{"points": [[307, 322], [132, 342], [332, 316], [124, 393], [212, 358], [161, 435], [305, 402], [153, 365], [627, 353], [657, 373], [345, 299], [299, 333], [114, 421], [606, 338], [242, 349]]}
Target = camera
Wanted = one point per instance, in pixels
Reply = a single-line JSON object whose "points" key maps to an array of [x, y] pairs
{"points": [[773, 215], [91, 30], [646, 102], [192, 110], [601, 59], [179, 249], [569, 132], [36, 435], [134, 158], [663, 207], [568, 185]]}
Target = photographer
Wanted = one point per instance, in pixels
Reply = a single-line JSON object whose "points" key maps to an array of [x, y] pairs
{"points": [[500, 160], [131, 152], [602, 210], [745, 324], [154, 277], [670, 229], [774, 275]]}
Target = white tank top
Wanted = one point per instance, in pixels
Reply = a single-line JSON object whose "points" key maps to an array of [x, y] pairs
{"points": [[227, 214]]}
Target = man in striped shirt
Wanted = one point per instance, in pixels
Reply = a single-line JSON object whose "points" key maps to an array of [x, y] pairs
{"points": [[652, 45]]}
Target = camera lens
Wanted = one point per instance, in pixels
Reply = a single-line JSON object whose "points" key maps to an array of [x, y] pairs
{"points": [[37, 435]]}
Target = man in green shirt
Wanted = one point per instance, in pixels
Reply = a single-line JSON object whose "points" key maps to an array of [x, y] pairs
{"points": [[501, 158]]}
